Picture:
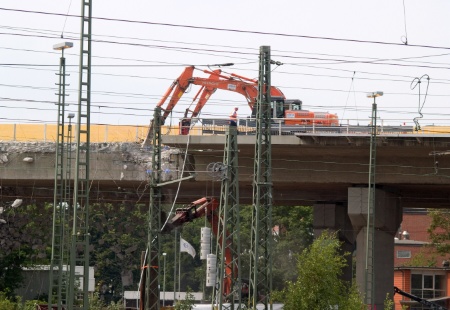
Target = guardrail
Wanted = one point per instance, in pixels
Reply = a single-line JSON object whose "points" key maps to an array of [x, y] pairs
{"points": [[203, 126], [248, 127]]}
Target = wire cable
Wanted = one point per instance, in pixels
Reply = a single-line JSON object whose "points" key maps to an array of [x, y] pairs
{"points": [[405, 37], [65, 20], [231, 30], [414, 83]]}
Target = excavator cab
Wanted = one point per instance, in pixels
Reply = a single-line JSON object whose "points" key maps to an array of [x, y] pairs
{"points": [[277, 108], [292, 105]]}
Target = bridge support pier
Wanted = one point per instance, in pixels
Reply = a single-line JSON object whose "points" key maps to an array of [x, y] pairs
{"points": [[334, 217], [388, 216]]}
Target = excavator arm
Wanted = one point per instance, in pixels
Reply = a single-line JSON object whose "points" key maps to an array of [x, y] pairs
{"points": [[205, 206], [422, 301], [216, 80]]}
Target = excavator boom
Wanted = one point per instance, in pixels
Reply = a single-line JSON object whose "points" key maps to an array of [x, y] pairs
{"points": [[205, 206], [235, 83]]}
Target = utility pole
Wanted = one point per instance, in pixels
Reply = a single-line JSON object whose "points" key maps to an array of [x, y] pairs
{"points": [[79, 250], [261, 231], [370, 236], [152, 269], [58, 276], [228, 237]]}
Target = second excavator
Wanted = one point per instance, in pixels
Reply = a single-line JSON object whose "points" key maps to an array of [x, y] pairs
{"points": [[286, 111]]}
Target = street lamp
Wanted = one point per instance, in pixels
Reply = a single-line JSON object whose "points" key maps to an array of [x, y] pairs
{"points": [[164, 279], [375, 94], [370, 234], [60, 191]]}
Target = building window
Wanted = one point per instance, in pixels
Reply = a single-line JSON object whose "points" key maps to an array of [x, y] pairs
{"points": [[403, 254], [428, 286]]}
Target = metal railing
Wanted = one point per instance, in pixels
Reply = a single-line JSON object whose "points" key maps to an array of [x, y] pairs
{"points": [[209, 126]]}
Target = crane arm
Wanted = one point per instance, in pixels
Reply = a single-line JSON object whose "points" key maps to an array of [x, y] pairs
{"points": [[419, 300], [217, 80], [205, 206], [176, 89]]}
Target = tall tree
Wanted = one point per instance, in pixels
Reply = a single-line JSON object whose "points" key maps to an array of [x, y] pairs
{"points": [[439, 230], [319, 285], [25, 240]]}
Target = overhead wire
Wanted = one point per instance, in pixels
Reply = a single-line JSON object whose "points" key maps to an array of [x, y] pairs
{"points": [[414, 83], [65, 19], [405, 37], [372, 61], [229, 29]]}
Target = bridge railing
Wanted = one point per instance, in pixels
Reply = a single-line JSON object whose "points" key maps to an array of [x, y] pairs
{"points": [[247, 126], [206, 126]]}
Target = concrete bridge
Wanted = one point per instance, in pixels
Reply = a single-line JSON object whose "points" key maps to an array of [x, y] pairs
{"points": [[324, 170], [330, 172]]}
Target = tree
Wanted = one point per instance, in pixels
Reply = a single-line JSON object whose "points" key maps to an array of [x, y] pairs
{"points": [[25, 239], [439, 231], [294, 233], [118, 235], [318, 285], [187, 303]]}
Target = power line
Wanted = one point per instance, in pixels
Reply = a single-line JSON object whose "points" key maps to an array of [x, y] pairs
{"points": [[232, 30]]}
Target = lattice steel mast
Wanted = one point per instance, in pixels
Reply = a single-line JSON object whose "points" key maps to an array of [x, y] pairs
{"points": [[261, 233], [228, 295], [370, 233], [79, 251], [154, 220], [58, 276]]}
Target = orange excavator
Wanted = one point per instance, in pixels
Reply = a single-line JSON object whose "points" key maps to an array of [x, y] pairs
{"points": [[205, 206], [289, 111]]}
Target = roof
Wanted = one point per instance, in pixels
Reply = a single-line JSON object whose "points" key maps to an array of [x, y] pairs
{"points": [[410, 242]]}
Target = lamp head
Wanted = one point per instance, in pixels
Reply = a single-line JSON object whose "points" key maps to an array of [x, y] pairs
{"points": [[375, 94], [62, 46]]}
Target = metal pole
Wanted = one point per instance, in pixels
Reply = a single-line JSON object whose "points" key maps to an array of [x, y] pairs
{"points": [[179, 270], [164, 279], [175, 267], [59, 254], [370, 233]]}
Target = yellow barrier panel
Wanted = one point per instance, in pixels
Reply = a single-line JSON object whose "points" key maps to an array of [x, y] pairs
{"points": [[99, 133]]}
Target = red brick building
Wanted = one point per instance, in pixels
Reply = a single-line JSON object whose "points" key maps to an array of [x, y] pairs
{"points": [[431, 281]]}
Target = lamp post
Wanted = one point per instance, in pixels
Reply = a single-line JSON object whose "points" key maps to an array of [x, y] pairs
{"points": [[164, 279], [370, 234], [57, 277]]}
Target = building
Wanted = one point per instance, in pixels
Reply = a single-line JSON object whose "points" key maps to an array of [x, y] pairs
{"points": [[430, 281], [131, 298], [36, 282]]}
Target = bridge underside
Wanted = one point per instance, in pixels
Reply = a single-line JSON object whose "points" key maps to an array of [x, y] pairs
{"points": [[306, 169]]}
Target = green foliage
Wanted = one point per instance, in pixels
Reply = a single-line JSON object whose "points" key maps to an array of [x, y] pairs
{"points": [[439, 230], [319, 285], [95, 303], [118, 235], [6, 304], [295, 234], [11, 276], [389, 303], [424, 258], [26, 236], [187, 303]]}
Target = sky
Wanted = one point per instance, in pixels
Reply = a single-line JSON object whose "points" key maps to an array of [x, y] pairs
{"points": [[332, 53]]}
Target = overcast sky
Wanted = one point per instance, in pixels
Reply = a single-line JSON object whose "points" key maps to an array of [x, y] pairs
{"points": [[333, 53]]}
